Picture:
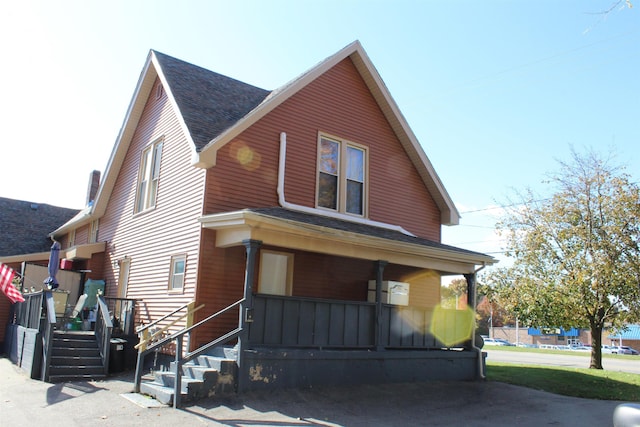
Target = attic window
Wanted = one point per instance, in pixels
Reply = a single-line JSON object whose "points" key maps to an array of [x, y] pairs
{"points": [[159, 91], [342, 172], [148, 177]]}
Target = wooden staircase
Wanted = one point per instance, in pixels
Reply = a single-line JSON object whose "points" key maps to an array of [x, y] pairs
{"points": [[208, 375], [75, 357]]}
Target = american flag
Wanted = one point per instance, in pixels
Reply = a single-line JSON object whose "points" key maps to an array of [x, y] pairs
{"points": [[6, 276]]}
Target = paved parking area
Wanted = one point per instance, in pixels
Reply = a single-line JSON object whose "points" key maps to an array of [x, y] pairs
{"points": [[26, 402]]}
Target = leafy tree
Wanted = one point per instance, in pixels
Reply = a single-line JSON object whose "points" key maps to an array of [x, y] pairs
{"points": [[455, 291], [489, 311], [576, 255]]}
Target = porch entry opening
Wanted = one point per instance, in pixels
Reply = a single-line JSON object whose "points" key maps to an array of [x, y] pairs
{"points": [[276, 273]]}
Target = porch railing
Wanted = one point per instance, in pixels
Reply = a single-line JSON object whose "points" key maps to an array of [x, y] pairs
{"points": [[319, 323], [310, 322], [123, 311], [28, 313]]}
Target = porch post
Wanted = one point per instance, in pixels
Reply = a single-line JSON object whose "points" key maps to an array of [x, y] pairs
{"points": [[246, 306], [380, 265], [471, 300], [471, 290]]}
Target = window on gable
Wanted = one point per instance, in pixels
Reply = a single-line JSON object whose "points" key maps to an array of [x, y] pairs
{"points": [[176, 275], [342, 176], [148, 177]]}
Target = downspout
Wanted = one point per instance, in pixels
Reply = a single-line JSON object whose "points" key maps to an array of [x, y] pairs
{"points": [[306, 209], [478, 350]]}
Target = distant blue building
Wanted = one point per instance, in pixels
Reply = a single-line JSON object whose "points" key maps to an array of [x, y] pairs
{"points": [[629, 336]]}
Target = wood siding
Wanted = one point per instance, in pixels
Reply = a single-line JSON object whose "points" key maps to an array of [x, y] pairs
{"points": [[150, 238], [82, 235], [337, 103], [220, 284]]}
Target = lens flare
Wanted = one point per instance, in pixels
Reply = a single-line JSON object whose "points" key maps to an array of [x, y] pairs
{"points": [[452, 327]]}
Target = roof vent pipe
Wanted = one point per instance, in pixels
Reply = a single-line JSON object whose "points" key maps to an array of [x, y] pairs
{"points": [[92, 189]]}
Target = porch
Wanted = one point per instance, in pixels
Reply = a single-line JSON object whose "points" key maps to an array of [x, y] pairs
{"points": [[301, 342], [43, 341]]}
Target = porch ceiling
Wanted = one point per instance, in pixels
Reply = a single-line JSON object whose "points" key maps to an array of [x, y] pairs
{"points": [[313, 233]]}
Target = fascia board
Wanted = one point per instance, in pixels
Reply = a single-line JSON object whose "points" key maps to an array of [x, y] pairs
{"points": [[243, 219], [120, 148], [206, 158], [36, 256], [450, 214], [148, 75]]}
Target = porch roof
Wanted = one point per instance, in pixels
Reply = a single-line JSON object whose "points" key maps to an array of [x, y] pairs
{"points": [[316, 233]]}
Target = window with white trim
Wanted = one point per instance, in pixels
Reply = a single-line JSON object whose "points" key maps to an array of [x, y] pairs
{"points": [[177, 273], [276, 273], [342, 173], [93, 231], [148, 177]]}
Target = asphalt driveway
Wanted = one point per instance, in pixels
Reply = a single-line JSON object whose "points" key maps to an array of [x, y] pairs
{"points": [[26, 402]]}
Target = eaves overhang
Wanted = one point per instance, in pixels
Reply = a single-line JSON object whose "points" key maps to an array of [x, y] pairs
{"points": [[206, 157], [232, 228]]}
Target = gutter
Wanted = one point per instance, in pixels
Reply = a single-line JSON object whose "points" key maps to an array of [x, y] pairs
{"points": [[481, 373], [315, 211]]}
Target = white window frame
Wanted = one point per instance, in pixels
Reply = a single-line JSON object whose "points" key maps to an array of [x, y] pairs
{"points": [[72, 238], [93, 231], [278, 280], [342, 175], [177, 278], [148, 177]]}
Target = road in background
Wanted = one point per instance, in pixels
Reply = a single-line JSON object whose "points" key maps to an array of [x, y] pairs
{"points": [[629, 363]]}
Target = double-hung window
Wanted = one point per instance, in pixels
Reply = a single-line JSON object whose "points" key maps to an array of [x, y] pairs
{"points": [[176, 275], [148, 177], [342, 172]]}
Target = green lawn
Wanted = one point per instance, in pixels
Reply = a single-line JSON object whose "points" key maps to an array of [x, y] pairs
{"points": [[577, 382], [545, 351]]}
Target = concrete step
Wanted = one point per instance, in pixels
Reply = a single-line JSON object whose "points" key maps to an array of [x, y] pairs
{"points": [[76, 377], [202, 377], [161, 393]]}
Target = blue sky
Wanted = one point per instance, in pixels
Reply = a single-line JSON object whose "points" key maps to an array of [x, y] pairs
{"points": [[495, 91]]}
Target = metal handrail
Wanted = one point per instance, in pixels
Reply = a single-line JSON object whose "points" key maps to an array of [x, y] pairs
{"points": [[146, 338], [103, 329], [179, 358], [145, 327]]}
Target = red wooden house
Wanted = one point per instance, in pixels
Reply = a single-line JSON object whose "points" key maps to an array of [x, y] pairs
{"points": [[304, 204]]}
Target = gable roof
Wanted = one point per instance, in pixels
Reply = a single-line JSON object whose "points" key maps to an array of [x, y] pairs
{"points": [[213, 109], [209, 102], [25, 226]]}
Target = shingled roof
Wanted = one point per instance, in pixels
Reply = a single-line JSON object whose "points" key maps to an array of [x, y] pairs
{"points": [[358, 228], [25, 226], [209, 102]]}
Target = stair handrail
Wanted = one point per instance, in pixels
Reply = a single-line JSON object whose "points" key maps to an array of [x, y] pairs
{"points": [[103, 329], [142, 328], [179, 358], [47, 327], [146, 338]]}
